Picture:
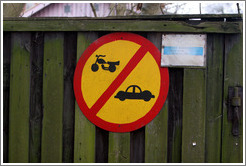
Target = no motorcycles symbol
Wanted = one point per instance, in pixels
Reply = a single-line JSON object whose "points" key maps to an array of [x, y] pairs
{"points": [[118, 83]]}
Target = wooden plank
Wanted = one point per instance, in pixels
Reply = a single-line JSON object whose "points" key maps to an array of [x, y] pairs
{"points": [[214, 83], [137, 145], [194, 108], [6, 82], [156, 130], [119, 148], [70, 56], [137, 137], [102, 137], [175, 114], [232, 146], [19, 98], [119, 143], [84, 139], [52, 98], [36, 101], [156, 138], [122, 25], [139, 17]]}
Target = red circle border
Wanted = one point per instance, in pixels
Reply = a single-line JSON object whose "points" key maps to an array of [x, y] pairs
{"points": [[113, 127]]}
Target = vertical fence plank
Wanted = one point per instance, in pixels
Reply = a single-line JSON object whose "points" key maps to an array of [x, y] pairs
{"points": [[36, 94], [19, 98], [119, 143], [119, 147], [156, 130], [232, 147], [52, 97], [70, 46], [137, 145], [156, 138], [175, 114], [101, 145], [137, 137], [102, 136], [214, 79], [6, 82], [194, 108], [84, 141]]}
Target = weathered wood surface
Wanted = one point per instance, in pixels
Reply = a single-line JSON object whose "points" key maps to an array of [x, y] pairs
{"points": [[84, 138], [143, 17], [197, 107], [137, 145], [75, 24], [156, 138], [175, 113], [232, 146], [6, 86], [52, 98], [214, 84], [70, 56], [137, 137], [119, 148], [102, 137], [36, 101], [118, 143], [156, 130], [19, 98], [194, 108]]}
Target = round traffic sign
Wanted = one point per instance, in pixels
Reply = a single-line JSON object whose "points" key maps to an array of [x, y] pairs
{"points": [[118, 82]]}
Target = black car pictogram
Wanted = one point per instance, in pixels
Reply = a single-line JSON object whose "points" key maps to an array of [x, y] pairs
{"points": [[128, 94]]}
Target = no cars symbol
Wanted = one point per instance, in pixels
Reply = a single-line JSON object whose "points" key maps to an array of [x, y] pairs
{"points": [[118, 82]]}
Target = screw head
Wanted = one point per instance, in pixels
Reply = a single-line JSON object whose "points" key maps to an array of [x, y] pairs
{"points": [[194, 144]]}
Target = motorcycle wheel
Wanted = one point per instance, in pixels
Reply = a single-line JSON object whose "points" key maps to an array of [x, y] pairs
{"points": [[94, 67], [112, 68]]}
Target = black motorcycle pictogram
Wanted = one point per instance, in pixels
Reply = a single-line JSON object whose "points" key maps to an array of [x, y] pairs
{"points": [[111, 66]]}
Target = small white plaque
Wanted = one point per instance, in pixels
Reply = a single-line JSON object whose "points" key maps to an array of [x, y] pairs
{"points": [[183, 50]]}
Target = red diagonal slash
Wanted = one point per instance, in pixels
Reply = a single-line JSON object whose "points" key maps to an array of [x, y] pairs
{"points": [[137, 57]]}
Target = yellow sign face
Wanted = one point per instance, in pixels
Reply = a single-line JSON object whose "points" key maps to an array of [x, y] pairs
{"points": [[118, 83], [145, 75]]}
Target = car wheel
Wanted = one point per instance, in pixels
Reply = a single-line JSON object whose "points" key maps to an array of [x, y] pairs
{"points": [[147, 99], [147, 95], [122, 98]]}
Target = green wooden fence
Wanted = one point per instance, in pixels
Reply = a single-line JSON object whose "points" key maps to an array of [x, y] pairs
{"points": [[43, 123]]}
